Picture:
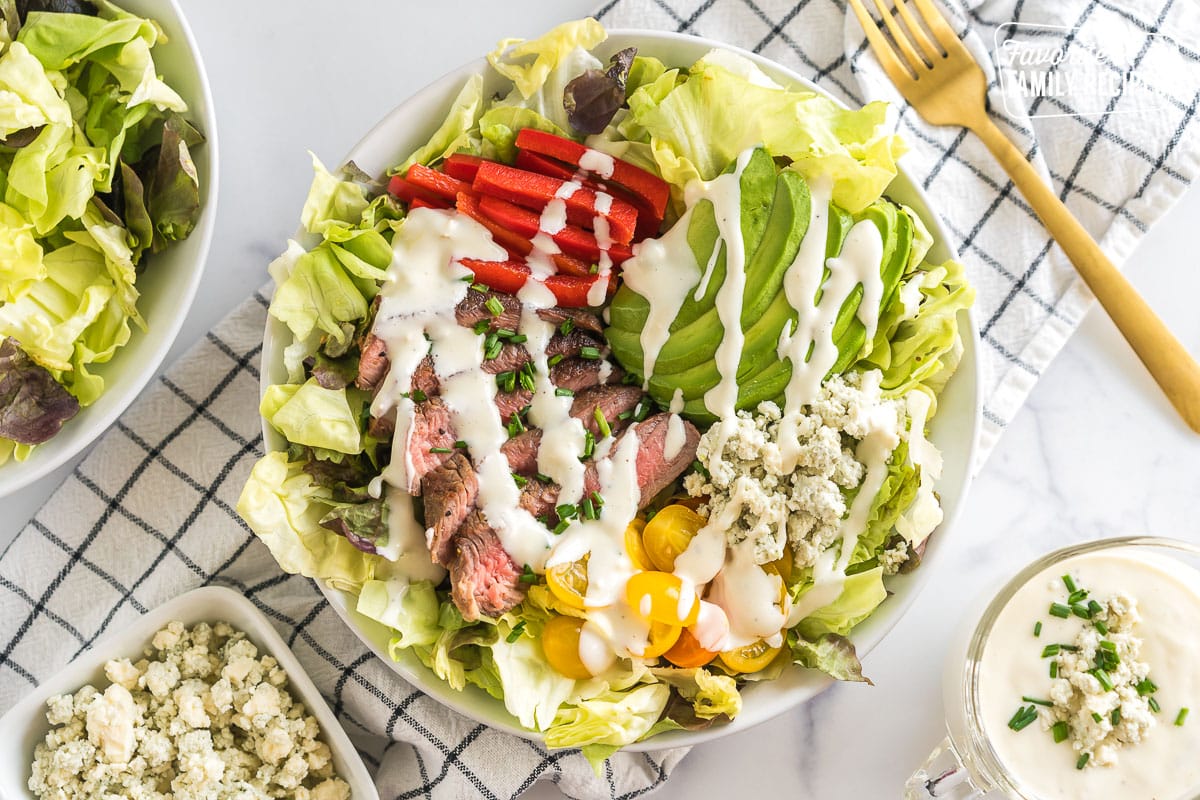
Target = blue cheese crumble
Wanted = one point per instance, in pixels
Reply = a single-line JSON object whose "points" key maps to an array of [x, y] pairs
{"points": [[202, 716]]}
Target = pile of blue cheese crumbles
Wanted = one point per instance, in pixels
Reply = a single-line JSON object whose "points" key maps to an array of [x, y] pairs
{"points": [[202, 716]]}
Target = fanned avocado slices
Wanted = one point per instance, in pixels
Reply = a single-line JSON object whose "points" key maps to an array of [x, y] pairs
{"points": [[775, 214]]}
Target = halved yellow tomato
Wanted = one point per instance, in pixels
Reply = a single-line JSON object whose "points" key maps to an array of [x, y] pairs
{"points": [[751, 658], [662, 638], [634, 545], [659, 597], [560, 643], [688, 653], [785, 564], [569, 582], [669, 533]]}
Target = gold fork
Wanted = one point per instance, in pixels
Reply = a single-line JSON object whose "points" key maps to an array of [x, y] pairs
{"points": [[946, 86]]}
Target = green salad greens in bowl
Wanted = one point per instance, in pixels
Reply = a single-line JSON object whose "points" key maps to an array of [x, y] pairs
{"points": [[106, 167], [618, 389]]}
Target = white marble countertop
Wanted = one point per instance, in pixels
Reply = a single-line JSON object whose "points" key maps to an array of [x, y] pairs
{"points": [[1096, 452]]}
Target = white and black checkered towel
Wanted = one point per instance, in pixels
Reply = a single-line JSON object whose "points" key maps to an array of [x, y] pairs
{"points": [[150, 513]]}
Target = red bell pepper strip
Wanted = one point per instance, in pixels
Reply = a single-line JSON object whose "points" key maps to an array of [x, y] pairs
{"points": [[649, 219], [462, 166], [570, 291], [408, 192], [418, 202], [572, 239], [514, 241], [437, 183], [535, 191], [651, 188]]}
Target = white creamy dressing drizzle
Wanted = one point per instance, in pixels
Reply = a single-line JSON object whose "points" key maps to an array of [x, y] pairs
{"points": [[406, 544], [926, 513], [677, 401], [604, 264], [676, 437], [663, 271], [563, 436], [600, 163]]}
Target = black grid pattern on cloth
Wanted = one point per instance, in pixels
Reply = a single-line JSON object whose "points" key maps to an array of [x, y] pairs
{"points": [[1029, 297], [151, 513]]}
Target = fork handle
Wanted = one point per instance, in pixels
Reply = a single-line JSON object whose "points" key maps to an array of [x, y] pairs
{"points": [[1170, 364]]}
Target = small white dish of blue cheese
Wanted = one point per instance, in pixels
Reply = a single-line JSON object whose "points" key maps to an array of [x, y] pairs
{"points": [[199, 698]]}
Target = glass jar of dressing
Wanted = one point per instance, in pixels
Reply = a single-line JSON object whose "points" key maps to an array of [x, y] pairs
{"points": [[1006, 738]]}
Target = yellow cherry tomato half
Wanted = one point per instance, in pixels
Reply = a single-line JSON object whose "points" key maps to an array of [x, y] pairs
{"points": [[785, 564], [560, 643], [662, 638], [569, 582], [635, 547], [659, 597], [751, 658], [772, 568], [688, 653], [669, 533]]}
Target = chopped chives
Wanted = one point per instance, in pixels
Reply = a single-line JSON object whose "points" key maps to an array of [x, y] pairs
{"points": [[1051, 650], [1096, 716], [555, 360], [541, 477], [492, 350], [1081, 611], [1068, 648], [516, 632], [1077, 597], [1146, 686], [1115, 716], [418, 396], [1059, 610], [1037, 629], [594, 269], [862, 566], [460, 445], [1038, 702], [624, 415], [440, 450], [1082, 762], [479, 287], [1053, 669], [597, 499], [589, 352], [1060, 731], [587, 508], [589, 444], [1094, 607], [567, 326], [1181, 717], [527, 381], [642, 411], [560, 392], [1023, 718], [1107, 645], [520, 480], [1069, 582], [505, 333], [1101, 627], [1154, 706], [528, 575], [482, 326], [566, 511], [519, 338], [495, 306], [561, 526], [602, 423], [1104, 679]]}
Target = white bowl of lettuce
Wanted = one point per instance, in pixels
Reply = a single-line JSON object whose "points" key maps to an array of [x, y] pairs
{"points": [[94, 285], [275, 504]]}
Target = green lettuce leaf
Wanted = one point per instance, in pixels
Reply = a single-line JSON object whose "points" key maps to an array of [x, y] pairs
{"points": [[895, 496], [533, 690], [410, 609], [531, 64], [54, 177], [173, 190], [311, 415], [314, 293], [28, 96], [21, 262], [830, 653], [861, 594], [711, 694], [457, 132], [121, 44], [499, 126], [699, 127], [283, 507], [331, 201], [609, 719]]}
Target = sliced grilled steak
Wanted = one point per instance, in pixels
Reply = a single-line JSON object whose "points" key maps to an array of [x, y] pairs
{"points": [[539, 498], [473, 309], [515, 356], [522, 451], [613, 401], [580, 318], [383, 428], [484, 580], [511, 403], [449, 491], [425, 379], [372, 363], [578, 374], [430, 441], [654, 470]]}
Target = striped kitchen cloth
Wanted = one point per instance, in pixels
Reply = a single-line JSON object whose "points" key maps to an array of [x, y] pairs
{"points": [[149, 514]]}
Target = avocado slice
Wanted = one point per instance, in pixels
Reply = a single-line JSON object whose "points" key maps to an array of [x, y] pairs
{"points": [[697, 342]]}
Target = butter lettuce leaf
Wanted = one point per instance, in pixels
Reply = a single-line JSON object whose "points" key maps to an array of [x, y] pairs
{"points": [[21, 262], [311, 415], [830, 653], [409, 609], [861, 595], [611, 718], [332, 202], [283, 507], [458, 132]]}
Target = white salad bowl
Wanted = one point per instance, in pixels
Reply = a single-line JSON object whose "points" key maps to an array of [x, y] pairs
{"points": [[171, 278], [954, 429], [25, 724]]}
